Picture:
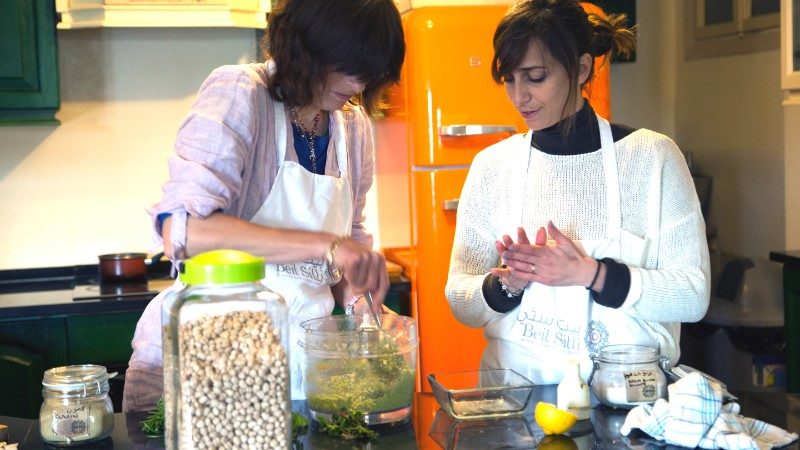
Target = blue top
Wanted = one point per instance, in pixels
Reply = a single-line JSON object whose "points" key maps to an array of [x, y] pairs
{"points": [[304, 152]]}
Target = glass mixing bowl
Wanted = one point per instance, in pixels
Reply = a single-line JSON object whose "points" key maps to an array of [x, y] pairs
{"points": [[352, 365]]}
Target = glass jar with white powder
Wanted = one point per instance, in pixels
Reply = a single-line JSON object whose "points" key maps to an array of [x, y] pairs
{"points": [[626, 375], [76, 409]]}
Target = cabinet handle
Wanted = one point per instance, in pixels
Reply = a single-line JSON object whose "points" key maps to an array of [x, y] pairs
{"points": [[450, 205], [475, 130]]}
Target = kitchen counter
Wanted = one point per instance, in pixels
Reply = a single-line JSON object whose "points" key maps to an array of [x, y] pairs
{"points": [[788, 257], [431, 428], [50, 291], [61, 302]]}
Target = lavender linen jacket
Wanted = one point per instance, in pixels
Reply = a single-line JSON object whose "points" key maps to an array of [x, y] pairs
{"points": [[226, 160]]}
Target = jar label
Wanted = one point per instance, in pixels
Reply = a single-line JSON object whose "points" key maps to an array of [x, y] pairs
{"points": [[71, 421], [641, 386]]}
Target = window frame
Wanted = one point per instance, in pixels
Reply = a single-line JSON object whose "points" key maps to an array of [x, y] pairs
{"points": [[743, 34]]}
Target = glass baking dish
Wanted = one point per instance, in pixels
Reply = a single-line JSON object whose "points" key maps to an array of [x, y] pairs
{"points": [[478, 394], [485, 433]]}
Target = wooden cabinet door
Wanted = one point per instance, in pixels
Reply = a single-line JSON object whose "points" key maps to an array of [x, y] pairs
{"points": [[28, 62]]}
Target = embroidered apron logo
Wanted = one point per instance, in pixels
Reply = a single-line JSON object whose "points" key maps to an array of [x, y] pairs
{"points": [[596, 337]]}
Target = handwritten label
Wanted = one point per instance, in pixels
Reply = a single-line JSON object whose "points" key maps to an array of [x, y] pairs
{"points": [[641, 386], [71, 421]]}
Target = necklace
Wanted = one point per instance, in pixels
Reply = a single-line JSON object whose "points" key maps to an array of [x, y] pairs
{"points": [[308, 134]]}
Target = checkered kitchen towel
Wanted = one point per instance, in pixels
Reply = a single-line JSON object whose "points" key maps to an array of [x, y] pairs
{"points": [[694, 416]]}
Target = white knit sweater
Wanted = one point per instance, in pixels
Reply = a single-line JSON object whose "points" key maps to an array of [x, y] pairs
{"points": [[658, 203]]}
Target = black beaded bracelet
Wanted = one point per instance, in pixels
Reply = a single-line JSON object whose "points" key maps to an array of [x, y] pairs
{"points": [[596, 273]]}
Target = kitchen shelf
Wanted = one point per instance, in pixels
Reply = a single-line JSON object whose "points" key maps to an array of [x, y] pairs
{"points": [[132, 13]]}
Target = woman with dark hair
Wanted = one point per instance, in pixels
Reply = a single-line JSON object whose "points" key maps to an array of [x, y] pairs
{"points": [[275, 159], [617, 252]]}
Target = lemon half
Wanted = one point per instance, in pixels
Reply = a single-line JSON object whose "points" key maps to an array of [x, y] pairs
{"points": [[553, 420], [557, 442]]}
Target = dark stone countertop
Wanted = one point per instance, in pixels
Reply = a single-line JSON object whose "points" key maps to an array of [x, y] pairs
{"points": [[788, 257], [50, 291], [430, 427]]}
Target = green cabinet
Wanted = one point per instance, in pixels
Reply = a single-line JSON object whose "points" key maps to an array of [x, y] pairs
{"points": [[791, 311], [28, 62], [29, 346], [101, 338]]}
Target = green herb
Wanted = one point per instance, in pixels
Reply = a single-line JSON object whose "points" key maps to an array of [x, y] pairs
{"points": [[153, 425], [348, 425], [299, 425], [382, 381]]}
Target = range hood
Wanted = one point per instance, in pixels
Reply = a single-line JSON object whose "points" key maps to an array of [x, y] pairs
{"points": [[162, 13]]}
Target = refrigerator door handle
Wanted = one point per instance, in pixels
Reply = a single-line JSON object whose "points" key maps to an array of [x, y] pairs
{"points": [[450, 205], [475, 129]]}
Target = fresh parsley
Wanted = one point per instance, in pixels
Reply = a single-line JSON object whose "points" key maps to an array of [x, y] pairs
{"points": [[299, 425], [348, 425], [153, 425]]}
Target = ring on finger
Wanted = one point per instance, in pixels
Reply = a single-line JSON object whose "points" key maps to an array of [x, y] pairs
{"points": [[533, 268]]}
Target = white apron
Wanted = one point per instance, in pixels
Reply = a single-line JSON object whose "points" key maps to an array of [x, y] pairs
{"points": [[553, 324], [303, 200]]}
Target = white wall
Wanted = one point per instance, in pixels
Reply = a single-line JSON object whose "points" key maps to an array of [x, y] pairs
{"points": [[643, 91], [71, 192], [726, 111], [791, 163], [729, 114]]}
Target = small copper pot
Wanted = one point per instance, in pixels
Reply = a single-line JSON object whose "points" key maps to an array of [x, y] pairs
{"points": [[123, 268]]}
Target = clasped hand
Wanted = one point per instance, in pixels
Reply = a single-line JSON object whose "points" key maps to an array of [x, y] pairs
{"points": [[559, 262]]}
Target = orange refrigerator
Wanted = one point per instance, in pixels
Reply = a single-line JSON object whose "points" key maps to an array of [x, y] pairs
{"points": [[445, 110]]}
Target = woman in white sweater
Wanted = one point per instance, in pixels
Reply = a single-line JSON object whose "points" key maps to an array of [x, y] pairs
{"points": [[577, 234]]}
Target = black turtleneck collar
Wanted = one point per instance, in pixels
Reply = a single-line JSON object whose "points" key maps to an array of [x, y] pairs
{"points": [[583, 138]]}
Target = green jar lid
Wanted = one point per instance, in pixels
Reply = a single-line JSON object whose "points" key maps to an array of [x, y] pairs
{"points": [[222, 267]]}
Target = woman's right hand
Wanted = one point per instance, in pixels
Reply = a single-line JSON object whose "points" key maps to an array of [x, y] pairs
{"points": [[363, 269]]}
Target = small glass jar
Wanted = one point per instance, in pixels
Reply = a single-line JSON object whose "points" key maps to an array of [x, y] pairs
{"points": [[226, 360], [76, 409], [625, 376]]}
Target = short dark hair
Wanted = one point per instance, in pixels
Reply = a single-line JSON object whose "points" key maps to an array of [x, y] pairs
{"points": [[565, 30], [309, 38]]}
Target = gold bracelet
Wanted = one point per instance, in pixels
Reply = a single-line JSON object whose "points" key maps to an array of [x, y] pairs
{"points": [[333, 272]]}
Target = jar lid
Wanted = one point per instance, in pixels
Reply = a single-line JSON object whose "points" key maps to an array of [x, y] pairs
{"points": [[628, 353], [223, 267], [80, 380]]}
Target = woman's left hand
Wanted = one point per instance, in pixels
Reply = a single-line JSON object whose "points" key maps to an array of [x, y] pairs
{"points": [[559, 262]]}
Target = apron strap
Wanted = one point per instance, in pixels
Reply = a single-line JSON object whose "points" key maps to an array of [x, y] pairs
{"points": [[341, 144], [516, 204], [612, 180], [280, 131]]}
